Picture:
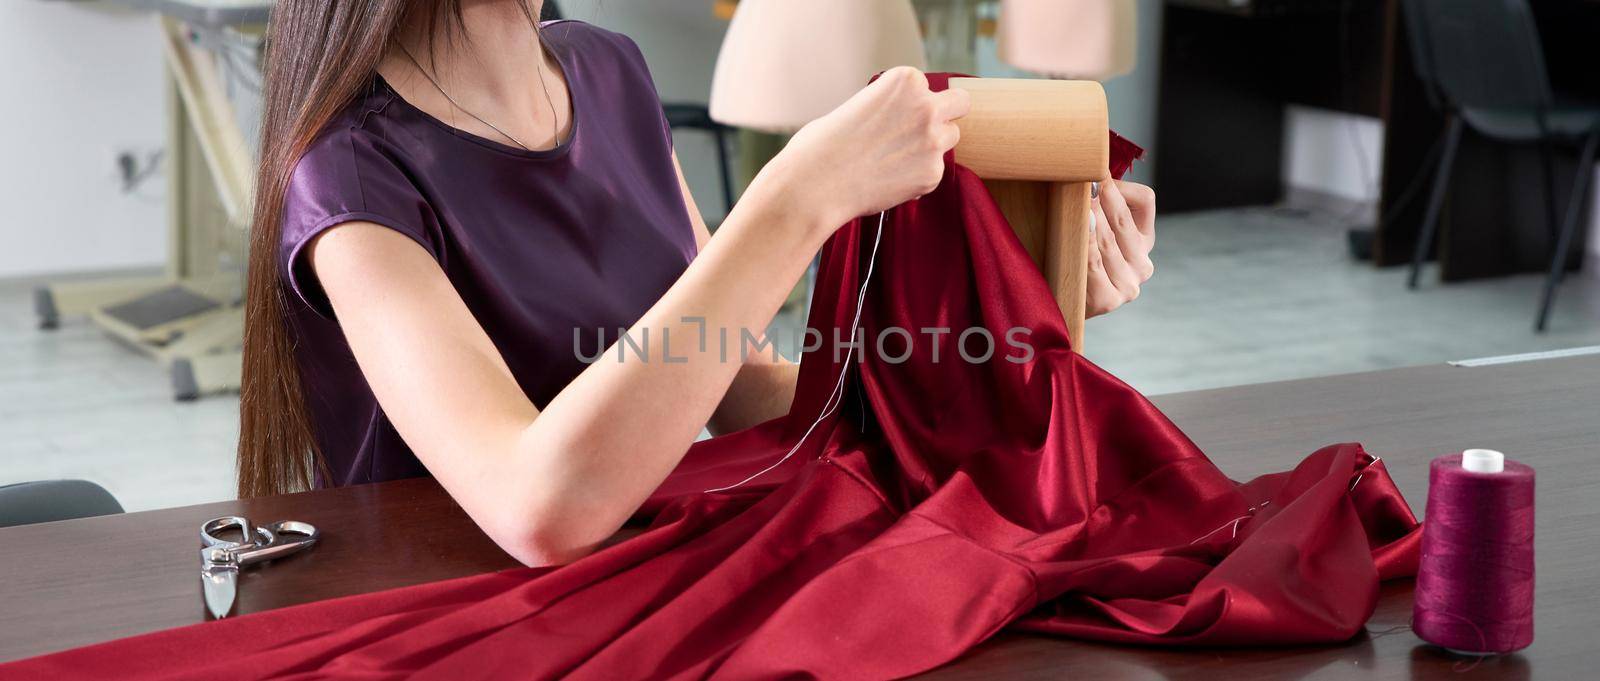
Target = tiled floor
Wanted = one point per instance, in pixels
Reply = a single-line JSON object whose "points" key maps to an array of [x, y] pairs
{"points": [[1239, 296], [76, 404], [1246, 296]]}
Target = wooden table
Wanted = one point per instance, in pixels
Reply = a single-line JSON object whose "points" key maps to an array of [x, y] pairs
{"points": [[77, 582]]}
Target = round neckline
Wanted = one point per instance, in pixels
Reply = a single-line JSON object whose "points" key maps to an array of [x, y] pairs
{"points": [[557, 151]]}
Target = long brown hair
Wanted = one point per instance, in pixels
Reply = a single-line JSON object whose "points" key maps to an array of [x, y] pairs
{"points": [[320, 54]]}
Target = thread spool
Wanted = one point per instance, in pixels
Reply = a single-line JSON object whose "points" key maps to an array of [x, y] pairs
{"points": [[1474, 593]]}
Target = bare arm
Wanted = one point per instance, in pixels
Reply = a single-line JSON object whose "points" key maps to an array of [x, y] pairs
{"points": [[764, 387], [549, 486]]}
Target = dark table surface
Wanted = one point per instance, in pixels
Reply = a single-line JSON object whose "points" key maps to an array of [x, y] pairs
{"points": [[77, 582]]}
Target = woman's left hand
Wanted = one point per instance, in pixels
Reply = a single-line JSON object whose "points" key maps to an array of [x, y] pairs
{"points": [[1124, 233]]}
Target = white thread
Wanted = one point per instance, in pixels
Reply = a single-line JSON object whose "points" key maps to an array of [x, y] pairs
{"points": [[1236, 522], [1252, 511], [837, 397], [1363, 473]]}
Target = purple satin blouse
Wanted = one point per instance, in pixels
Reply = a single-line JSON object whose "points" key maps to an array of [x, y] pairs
{"points": [[539, 244]]}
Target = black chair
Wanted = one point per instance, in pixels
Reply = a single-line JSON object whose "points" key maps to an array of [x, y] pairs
{"points": [[25, 503], [1483, 65], [698, 117]]}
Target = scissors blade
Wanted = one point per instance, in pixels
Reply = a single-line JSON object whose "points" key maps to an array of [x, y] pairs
{"points": [[220, 585]]}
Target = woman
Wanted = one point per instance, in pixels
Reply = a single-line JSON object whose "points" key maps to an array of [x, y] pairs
{"points": [[449, 191]]}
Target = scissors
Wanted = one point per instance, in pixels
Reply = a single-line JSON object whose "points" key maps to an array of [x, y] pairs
{"points": [[221, 559]]}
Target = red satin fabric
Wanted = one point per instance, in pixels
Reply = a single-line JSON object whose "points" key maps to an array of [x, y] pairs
{"points": [[942, 502]]}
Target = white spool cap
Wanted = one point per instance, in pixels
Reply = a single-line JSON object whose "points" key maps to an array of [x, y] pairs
{"points": [[1483, 461]]}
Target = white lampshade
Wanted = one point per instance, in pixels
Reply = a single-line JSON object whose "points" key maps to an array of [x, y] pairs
{"points": [[1085, 39], [785, 63]]}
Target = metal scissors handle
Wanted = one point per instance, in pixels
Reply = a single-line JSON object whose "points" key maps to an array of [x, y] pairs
{"points": [[264, 543], [221, 559]]}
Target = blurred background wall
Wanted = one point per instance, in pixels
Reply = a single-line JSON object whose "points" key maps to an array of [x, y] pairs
{"points": [[83, 84]]}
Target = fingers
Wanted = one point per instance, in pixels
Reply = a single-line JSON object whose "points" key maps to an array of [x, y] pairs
{"points": [[1134, 247], [1122, 277], [901, 132], [903, 76], [1141, 201], [947, 137], [904, 86], [945, 107], [1122, 274], [951, 104], [1102, 296], [1116, 207], [1120, 262]]}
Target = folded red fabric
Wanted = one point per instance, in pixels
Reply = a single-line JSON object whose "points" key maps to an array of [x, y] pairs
{"points": [[943, 501]]}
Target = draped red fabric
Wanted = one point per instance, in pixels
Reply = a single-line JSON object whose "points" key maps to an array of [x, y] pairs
{"points": [[942, 501]]}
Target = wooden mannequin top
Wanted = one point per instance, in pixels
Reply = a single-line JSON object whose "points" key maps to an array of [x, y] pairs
{"points": [[1038, 144], [1039, 130]]}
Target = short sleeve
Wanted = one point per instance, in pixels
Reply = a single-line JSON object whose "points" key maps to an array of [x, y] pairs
{"points": [[634, 62], [348, 175]]}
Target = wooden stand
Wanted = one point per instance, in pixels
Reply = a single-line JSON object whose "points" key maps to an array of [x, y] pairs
{"points": [[188, 317], [1038, 144]]}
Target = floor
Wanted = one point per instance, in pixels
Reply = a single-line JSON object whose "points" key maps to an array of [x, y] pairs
{"points": [[1246, 296], [1240, 296], [76, 404]]}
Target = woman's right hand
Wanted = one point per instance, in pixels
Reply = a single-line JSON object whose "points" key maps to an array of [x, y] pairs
{"points": [[881, 148]]}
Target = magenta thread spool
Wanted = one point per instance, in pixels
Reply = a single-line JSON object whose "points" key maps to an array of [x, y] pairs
{"points": [[1474, 592]]}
